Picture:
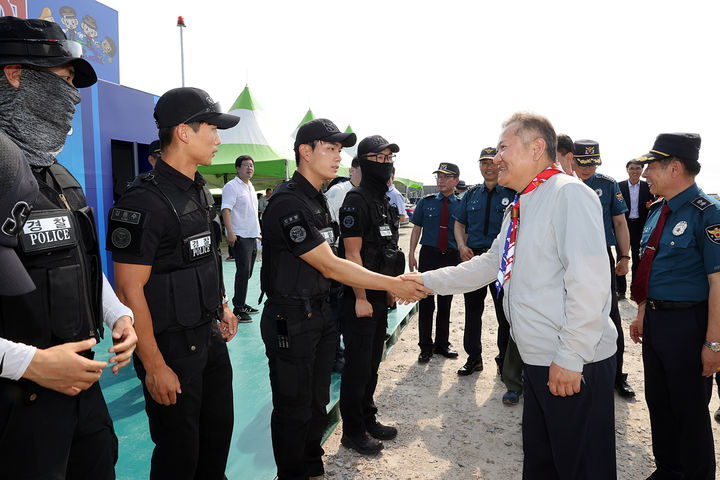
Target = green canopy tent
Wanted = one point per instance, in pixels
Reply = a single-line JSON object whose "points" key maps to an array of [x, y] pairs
{"points": [[245, 138]]}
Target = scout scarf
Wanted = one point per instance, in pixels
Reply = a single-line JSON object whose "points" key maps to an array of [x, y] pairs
{"points": [[509, 252]]}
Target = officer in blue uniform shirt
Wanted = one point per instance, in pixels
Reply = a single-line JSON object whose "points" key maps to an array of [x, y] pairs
{"points": [[586, 159], [678, 317], [477, 223], [433, 218]]}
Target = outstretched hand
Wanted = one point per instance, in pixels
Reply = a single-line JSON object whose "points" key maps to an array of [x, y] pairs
{"points": [[410, 288]]}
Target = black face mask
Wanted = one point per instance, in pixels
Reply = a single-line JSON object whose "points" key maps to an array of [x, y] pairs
{"points": [[375, 175]]}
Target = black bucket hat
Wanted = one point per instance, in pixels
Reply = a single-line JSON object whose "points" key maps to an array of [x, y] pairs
{"points": [[40, 43]]}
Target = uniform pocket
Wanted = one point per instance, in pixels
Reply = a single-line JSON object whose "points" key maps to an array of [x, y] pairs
{"points": [[66, 298]]}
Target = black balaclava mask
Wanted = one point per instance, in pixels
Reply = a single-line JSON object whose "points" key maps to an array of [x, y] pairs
{"points": [[38, 114], [375, 175]]}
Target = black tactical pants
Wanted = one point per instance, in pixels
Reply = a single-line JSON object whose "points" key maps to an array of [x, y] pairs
{"points": [[46, 434], [192, 437], [364, 346], [300, 346], [431, 258]]}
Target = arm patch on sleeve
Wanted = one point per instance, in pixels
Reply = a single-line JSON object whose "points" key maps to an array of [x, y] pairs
{"points": [[125, 228], [713, 233], [296, 229], [349, 218]]}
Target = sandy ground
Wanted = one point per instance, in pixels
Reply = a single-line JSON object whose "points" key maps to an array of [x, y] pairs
{"points": [[453, 427]]}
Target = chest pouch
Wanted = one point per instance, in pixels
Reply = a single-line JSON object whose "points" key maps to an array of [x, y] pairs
{"points": [[197, 246], [47, 231]]}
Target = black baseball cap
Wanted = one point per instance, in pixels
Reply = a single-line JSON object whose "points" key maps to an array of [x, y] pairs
{"points": [[375, 144], [682, 145], [187, 105], [40, 43], [448, 169], [325, 130], [154, 147], [18, 192], [488, 153], [587, 152]]}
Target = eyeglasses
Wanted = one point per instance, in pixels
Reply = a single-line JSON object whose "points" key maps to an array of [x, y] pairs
{"points": [[443, 176], [382, 158]]}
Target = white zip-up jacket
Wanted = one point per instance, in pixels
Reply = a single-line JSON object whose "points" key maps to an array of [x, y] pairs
{"points": [[557, 299]]}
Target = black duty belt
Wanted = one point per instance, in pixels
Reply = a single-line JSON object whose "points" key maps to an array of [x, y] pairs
{"points": [[441, 252], [670, 305]]}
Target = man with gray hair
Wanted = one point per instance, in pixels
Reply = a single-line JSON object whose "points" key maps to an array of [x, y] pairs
{"points": [[551, 260]]}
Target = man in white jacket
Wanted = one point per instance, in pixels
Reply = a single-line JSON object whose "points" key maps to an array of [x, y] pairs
{"points": [[553, 266]]}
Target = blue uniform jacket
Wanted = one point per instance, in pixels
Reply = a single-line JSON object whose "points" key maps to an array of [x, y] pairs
{"points": [[427, 215], [689, 248], [611, 200], [483, 221]]}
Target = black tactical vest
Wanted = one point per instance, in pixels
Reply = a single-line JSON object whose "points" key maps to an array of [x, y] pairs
{"points": [[185, 286], [380, 252], [59, 248], [285, 276]]}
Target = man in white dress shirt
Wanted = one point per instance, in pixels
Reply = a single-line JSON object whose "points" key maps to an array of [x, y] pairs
{"points": [[239, 211], [557, 300]]}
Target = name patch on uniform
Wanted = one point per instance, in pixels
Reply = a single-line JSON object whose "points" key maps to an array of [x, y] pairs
{"points": [[125, 216], [48, 230], [328, 234], [385, 231], [198, 246], [295, 228], [713, 233]]}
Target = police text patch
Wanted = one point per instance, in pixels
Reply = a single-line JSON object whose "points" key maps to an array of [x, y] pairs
{"points": [[713, 233], [48, 230], [125, 216], [348, 217], [125, 229]]}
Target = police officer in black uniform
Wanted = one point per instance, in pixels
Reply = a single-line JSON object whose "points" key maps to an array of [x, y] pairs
{"points": [[297, 324], [164, 234], [369, 232], [53, 417]]}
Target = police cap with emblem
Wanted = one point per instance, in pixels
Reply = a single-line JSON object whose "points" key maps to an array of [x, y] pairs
{"points": [[154, 148], [325, 130], [461, 185], [682, 145], [487, 154], [448, 169], [188, 105], [587, 152], [375, 144], [18, 192], [40, 43]]}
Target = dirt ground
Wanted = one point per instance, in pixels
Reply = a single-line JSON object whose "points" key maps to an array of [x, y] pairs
{"points": [[453, 427]]}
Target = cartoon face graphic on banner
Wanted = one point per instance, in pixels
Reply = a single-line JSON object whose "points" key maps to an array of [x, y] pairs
{"points": [[87, 22]]}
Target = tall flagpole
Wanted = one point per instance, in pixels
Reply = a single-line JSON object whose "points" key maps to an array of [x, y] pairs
{"points": [[181, 25]]}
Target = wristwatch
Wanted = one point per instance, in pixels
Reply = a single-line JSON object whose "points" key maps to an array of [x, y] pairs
{"points": [[714, 346]]}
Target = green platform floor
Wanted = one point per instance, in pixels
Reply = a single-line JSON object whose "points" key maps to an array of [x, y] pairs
{"points": [[251, 455]]}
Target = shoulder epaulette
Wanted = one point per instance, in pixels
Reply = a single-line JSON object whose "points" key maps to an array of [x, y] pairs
{"points": [[605, 177], [430, 195], [701, 203], [473, 188]]}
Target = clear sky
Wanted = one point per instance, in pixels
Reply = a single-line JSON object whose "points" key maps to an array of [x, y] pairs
{"points": [[438, 78]]}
